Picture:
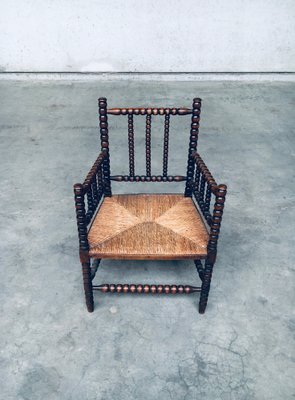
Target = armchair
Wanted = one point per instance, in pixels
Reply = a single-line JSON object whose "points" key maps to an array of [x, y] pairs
{"points": [[149, 226]]}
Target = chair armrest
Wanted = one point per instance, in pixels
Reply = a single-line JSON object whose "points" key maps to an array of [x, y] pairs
{"points": [[93, 188], [95, 169], [203, 185], [203, 170]]}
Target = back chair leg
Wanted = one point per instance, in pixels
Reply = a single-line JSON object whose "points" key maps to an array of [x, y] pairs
{"points": [[87, 281], [205, 287]]}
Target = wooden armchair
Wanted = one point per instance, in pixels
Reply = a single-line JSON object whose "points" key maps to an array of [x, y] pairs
{"points": [[149, 226]]}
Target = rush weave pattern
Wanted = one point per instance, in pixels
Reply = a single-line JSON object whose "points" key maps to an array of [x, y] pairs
{"points": [[148, 226]]}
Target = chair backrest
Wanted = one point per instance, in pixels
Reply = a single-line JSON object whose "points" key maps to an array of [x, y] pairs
{"points": [[149, 113]]}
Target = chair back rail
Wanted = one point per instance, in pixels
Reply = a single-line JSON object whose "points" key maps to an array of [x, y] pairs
{"points": [[148, 178], [149, 111]]}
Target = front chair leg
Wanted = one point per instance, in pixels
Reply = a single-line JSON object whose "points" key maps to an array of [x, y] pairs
{"points": [[87, 281], [94, 268], [205, 287], [200, 269]]}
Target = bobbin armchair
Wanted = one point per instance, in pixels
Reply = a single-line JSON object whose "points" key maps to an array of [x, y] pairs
{"points": [[149, 226]]}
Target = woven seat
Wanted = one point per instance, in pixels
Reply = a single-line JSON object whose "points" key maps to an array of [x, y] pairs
{"points": [[148, 226]]}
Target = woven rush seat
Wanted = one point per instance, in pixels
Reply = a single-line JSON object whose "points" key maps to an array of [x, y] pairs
{"points": [[148, 226]]}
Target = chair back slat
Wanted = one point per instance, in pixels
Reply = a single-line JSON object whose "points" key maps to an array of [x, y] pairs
{"points": [[148, 124], [166, 144], [131, 144]]}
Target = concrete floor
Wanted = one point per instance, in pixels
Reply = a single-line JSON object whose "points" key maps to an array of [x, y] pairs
{"points": [[147, 347]]}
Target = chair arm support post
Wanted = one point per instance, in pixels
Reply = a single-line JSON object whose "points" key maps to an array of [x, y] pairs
{"points": [[83, 244], [81, 218], [220, 194], [200, 269]]}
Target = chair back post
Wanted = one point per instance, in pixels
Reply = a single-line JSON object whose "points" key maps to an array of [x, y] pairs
{"points": [[104, 138], [196, 111]]}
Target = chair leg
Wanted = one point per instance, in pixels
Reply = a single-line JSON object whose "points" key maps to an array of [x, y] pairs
{"points": [[94, 267], [200, 269], [205, 287], [87, 281]]}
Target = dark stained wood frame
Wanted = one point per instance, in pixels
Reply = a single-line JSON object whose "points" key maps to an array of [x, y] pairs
{"points": [[199, 184]]}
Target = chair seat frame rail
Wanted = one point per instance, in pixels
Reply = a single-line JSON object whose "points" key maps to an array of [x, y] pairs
{"points": [[199, 185]]}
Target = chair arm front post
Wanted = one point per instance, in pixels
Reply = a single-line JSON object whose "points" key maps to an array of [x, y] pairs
{"points": [[93, 189], [81, 218], [83, 245], [220, 194], [204, 177]]}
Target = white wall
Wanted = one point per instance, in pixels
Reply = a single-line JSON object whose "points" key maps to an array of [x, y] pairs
{"points": [[147, 36]]}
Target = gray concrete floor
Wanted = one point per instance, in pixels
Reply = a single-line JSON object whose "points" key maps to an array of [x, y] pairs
{"points": [[147, 347]]}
